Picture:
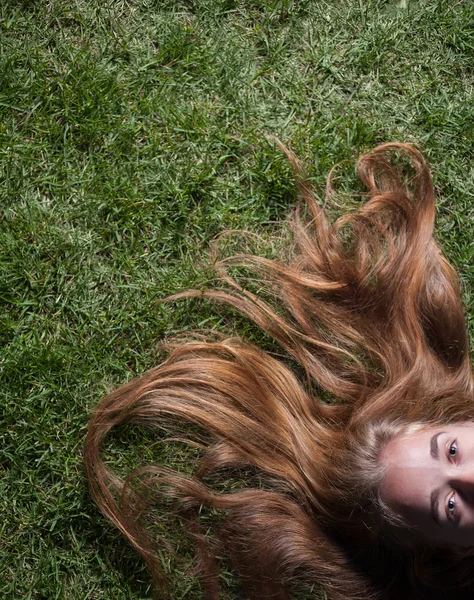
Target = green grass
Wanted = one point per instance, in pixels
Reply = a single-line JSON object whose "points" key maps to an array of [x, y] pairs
{"points": [[132, 132]]}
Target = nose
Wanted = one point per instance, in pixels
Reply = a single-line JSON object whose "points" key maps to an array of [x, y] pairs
{"points": [[463, 482]]}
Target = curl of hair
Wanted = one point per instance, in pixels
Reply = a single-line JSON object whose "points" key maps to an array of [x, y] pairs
{"points": [[371, 310]]}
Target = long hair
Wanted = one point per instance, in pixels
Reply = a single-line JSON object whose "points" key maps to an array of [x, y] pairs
{"points": [[370, 310]]}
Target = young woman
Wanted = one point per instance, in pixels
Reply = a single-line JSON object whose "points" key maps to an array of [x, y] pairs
{"points": [[369, 493]]}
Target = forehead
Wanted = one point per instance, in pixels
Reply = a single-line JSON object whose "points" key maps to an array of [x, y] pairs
{"points": [[414, 446], [410, 472]]}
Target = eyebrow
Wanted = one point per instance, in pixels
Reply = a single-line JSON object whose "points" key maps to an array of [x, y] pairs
{"points": [[434, 498], [434, 501], [434, 450]]}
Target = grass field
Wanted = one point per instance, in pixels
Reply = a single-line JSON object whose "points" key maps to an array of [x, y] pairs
{"points": [[132, 132]]}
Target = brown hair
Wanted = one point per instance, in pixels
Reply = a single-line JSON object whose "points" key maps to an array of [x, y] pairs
{"points": [[371, 311]]}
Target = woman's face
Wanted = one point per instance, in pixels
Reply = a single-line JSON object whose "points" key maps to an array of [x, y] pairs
{"points": [[429, 482]]}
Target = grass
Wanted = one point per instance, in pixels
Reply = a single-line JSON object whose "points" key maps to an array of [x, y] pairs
{"points": [[132, 132]]}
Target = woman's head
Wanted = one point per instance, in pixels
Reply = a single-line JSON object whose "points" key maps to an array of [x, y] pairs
{"points": [[370, 311], [415, 482], [429, 482]]}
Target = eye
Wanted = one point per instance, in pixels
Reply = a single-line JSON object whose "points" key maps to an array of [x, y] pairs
{"points": [[451, 506], [453, 450]]}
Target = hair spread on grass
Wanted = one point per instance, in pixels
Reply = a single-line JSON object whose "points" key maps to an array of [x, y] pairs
{"points": [[371, 311]]}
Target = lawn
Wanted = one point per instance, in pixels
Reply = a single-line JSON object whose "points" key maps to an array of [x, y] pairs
{"points": [[132, 133]]}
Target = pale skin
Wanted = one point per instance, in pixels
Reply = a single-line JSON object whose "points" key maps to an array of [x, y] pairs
{"points": [[429, 483]]}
